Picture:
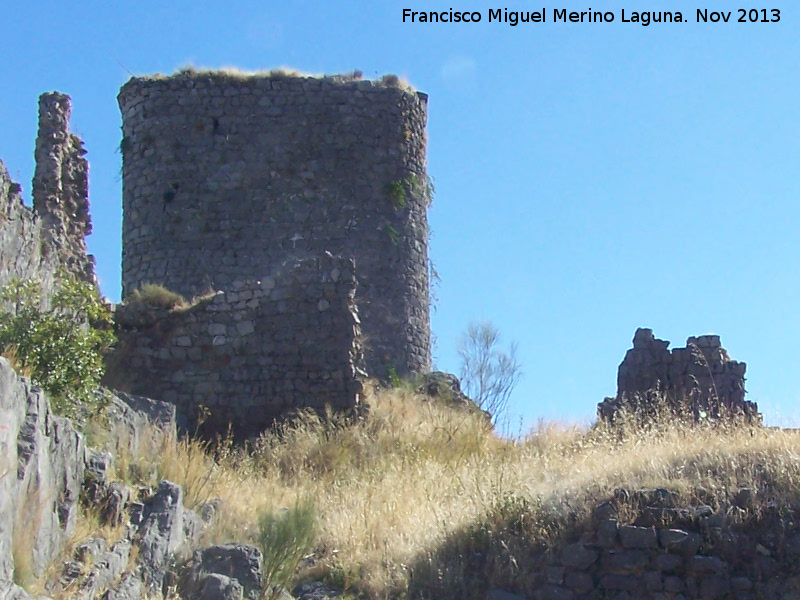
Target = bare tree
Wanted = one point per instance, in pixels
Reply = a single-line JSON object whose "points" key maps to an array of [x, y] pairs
{"points": [[488, 373]]}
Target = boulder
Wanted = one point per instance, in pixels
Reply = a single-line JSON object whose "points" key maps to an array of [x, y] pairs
{"points": [[133, 419], [238, 562], [162, 533]]}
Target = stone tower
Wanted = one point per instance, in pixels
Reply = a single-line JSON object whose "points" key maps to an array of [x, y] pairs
{"points": [[228, 176]]}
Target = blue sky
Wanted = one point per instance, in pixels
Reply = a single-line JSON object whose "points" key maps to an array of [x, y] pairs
{"points": [[591, 178]]}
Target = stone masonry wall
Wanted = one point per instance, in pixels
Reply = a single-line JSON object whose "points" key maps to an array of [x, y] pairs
{"points": [[226, 176], [673, 552], [700, 378], [35, 243], [251, 353]]}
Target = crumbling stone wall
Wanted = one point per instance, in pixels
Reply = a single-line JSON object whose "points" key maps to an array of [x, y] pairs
{"points": [[673, 552], [226, 176], [700, 378], [36, 243], [251, 353]]}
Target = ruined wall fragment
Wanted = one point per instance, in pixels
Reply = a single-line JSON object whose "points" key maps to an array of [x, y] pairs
{"points": [[248, 355], [699, 381]]}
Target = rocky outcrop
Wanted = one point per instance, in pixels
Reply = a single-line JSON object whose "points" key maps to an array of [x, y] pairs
{"points": [[44, 469], [447, 388], [697, 382], [43, 462]]}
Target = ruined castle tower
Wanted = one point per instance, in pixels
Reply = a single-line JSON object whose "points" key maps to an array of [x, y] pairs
{"points": [[226, 177]]}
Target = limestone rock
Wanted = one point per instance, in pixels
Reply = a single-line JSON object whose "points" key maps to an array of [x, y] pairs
{"points": [[162, 533], [132, 418], [43, 458]]}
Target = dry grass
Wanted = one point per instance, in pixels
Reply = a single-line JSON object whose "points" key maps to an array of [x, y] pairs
{"points": [[235, 74], [157, 296], [10, 354], [406, 498]]}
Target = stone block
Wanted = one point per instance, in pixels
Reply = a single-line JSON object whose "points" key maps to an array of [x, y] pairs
{"points": [[623, 561], [578, 581], [638, 537], [616, 582], [607, 532], [679, 541], [578, 556]]}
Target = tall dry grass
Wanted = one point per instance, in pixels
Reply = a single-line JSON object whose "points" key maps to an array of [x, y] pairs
{"points": [[407, 500]]}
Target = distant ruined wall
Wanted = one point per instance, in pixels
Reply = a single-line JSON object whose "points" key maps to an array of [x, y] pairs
{"points": [[226, 176], [700, 378], [36, 242], [252, 353]]}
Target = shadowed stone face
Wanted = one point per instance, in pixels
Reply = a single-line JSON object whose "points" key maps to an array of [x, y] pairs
{"points": [[699, 381]]}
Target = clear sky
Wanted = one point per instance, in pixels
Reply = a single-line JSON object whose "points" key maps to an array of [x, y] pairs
{"points": [[591, 178]]}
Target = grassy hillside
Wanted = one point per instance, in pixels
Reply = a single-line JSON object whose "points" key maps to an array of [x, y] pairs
{"points": [[424, 498]]}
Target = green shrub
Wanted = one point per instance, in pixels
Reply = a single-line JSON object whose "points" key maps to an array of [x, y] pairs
{"points": [[62, 346], [285, 537]]}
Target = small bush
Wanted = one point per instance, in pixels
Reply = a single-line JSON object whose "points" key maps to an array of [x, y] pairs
{"points": [[285, 537], [157, 296], [62, 346]]}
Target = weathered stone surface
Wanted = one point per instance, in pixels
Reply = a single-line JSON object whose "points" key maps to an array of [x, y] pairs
{"points": [[713, 587], [447, 387], [10, 591], [707, 564], [612, 581], [679, 541], [239, 562], [250, 172], [104, 566], [698, 382], [61, 187], [130, 587], [316, 590], [219, 587], [638, 537], [667, 562], [623, 561], [607, 532], [43, 459], [553, 592], [134, 420], [297, 357], [673, 584], [161, 533], [37, 242], [578, 556], [579, 582]]}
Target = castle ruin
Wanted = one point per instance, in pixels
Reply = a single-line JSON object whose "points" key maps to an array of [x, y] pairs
{"points": [[699, 381], [303, 201], [40, 242]]}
